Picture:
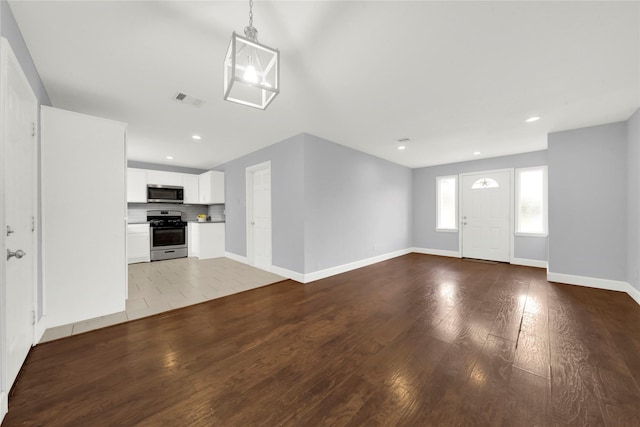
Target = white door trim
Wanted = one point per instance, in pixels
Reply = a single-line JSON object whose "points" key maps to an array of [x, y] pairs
{"points": [[511, 207], [249, 206], [7, 54]]}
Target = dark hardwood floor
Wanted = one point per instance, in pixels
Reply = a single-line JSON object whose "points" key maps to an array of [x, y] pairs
{"points": [[418, 340]]}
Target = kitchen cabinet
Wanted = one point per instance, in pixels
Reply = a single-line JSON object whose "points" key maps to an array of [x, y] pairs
{"points": [[136, 185], [138, 245], [191, 184], [206, 239], [211, 187], [164, 178]]}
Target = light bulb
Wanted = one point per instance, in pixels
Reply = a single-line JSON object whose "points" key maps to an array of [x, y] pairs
{"points": [[250, 74]]}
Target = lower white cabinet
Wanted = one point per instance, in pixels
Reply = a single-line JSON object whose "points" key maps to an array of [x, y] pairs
{"points": [[138, 246], [206, 239]]}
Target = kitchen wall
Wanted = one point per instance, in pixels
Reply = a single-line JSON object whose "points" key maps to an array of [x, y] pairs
{"points": [[424, 204], [357, 206], [9, 30], [587, 202], [633, 199]]}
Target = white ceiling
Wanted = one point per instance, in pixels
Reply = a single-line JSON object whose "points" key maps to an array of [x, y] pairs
{"points": [[455, 77]]}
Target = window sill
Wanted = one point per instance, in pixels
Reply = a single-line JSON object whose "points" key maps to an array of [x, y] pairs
{"points": [[531, 234], [447, 230]]}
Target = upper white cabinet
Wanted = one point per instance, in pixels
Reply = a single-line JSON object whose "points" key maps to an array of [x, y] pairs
{"points": [[211, 187], [205, 189], [191, 188], [136, 185], [164, 178]]}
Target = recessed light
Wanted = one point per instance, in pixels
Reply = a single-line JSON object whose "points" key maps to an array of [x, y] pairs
{"points": [[475, 153], [401, 147], [169, 157], [532, 119], [196, 137]]}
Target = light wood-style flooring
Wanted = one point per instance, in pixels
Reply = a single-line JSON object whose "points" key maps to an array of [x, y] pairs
{"points": [[418, 340]]}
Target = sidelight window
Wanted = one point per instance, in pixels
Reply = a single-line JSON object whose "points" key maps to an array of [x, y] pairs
{"points": [[531, 201], [447, 203]]}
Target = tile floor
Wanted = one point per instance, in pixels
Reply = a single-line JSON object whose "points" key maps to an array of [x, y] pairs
{"points": [[165, 285]]}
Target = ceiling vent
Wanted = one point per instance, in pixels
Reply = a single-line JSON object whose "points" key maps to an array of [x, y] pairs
{"points": [[183, 98]]}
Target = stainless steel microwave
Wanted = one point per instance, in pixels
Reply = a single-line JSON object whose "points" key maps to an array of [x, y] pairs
{"points": [[165, 194]]}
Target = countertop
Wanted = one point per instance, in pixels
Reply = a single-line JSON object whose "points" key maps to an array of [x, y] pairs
{"points": [[190, 221]]}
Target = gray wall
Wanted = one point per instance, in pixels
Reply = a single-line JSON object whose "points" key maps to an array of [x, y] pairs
{"points": [[424, 203], [357, 206], [587, 202], [287, 202], [633, 202], [331, 205], [9, 30]]}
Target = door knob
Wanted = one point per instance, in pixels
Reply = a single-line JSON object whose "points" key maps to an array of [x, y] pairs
{"points": [[9, 230], [18, 254]]}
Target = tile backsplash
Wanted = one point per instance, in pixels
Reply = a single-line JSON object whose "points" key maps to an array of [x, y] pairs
{"points": [[137, 212]]}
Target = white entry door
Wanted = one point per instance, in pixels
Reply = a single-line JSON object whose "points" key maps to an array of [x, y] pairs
{"points": [[18, 138], [486, 215], [259, 215]]}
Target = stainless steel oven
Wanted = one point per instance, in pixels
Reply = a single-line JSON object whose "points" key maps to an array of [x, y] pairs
{"points": [[168, 235]]}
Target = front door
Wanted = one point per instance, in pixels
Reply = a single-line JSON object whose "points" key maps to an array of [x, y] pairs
{"points": [[486, 213], [19, 141]]}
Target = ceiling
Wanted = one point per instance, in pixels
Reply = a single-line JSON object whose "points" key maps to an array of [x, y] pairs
{"points": [[454, 77]]}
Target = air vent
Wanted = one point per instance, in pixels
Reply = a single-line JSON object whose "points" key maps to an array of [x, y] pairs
{"points": [[183, 98]]}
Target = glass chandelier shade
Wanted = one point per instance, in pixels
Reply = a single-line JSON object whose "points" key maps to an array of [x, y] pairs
{"points": [[251, 71]]}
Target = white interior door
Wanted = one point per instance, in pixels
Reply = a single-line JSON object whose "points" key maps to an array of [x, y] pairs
{"points": [[486, 215], [259, 215], [19, 140]]}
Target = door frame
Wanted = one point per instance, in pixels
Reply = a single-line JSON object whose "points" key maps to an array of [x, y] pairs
{"points": [[249, 209], [7, 54], [511, 208]]}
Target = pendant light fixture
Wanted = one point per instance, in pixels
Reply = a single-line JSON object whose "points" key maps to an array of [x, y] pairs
{"points": [[251, 69]]}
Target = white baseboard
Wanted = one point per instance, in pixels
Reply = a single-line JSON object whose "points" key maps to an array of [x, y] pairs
{"points": [[634, 293], [590, 282], [289, 274], [439, 252], [235, 257], [594, 282], [41, 326], [332, 271], [4, 405], [529, 262], [321, 274]]}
